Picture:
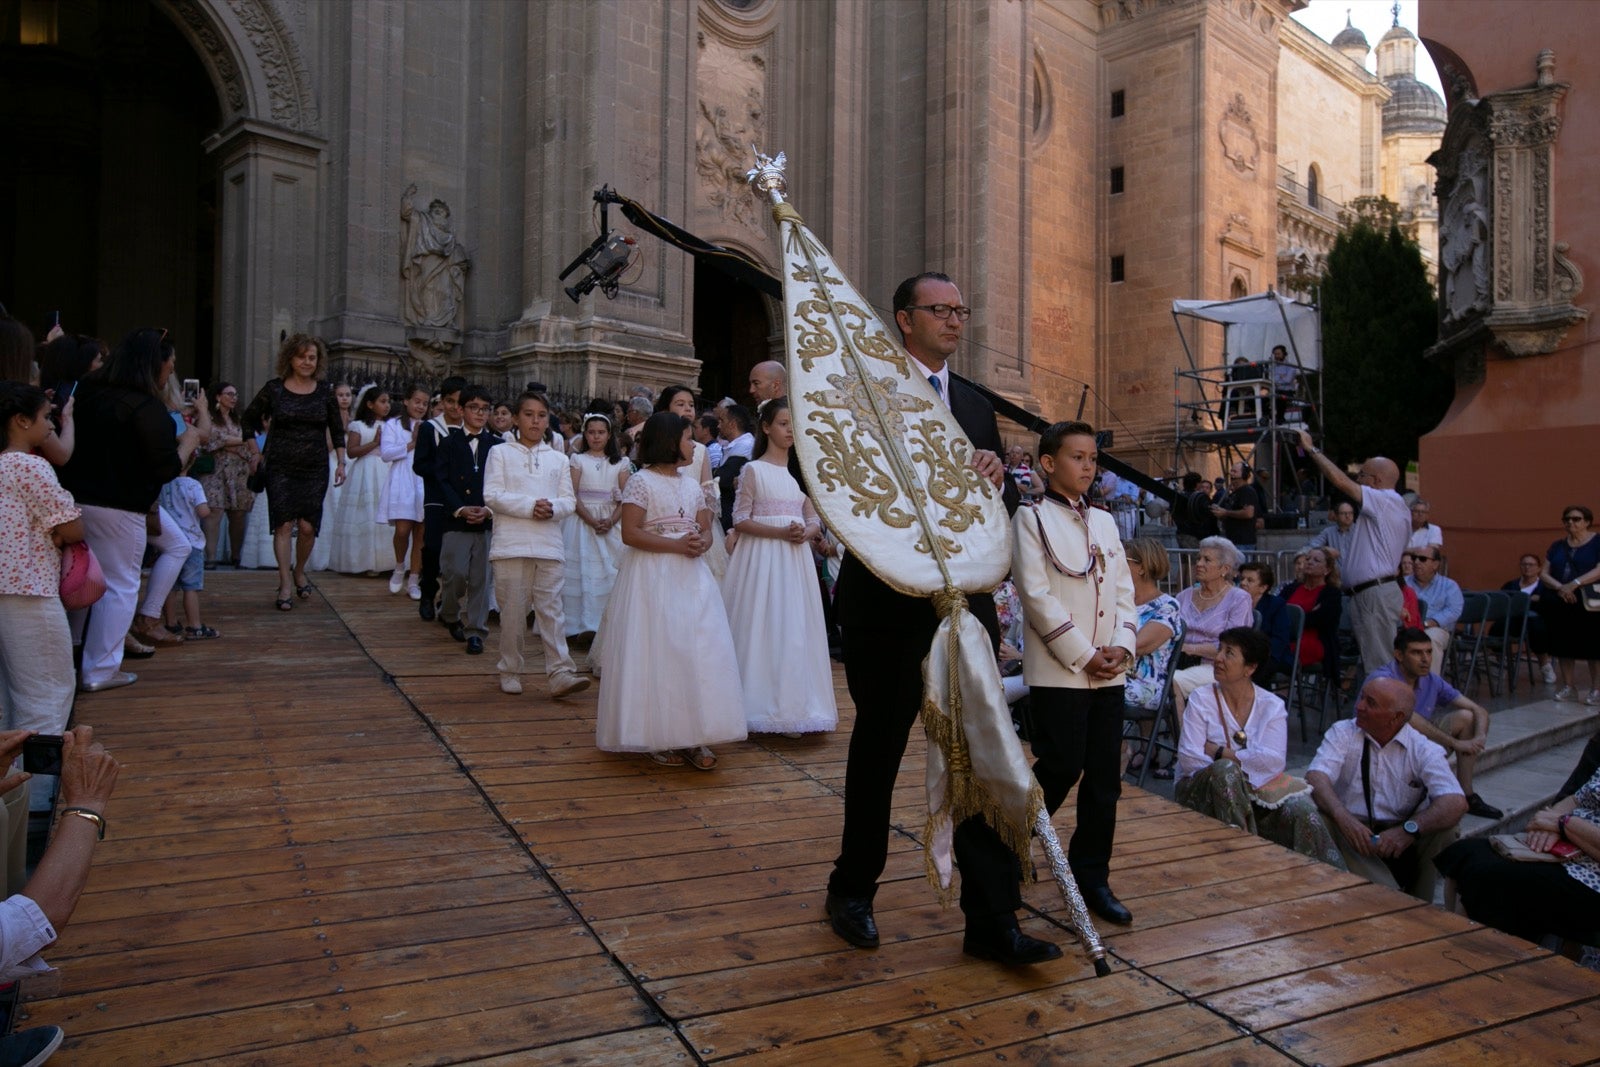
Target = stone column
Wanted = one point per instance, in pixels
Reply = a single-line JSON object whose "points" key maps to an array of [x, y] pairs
{"points": [[267, 263], [607, 99], [977, 192]]}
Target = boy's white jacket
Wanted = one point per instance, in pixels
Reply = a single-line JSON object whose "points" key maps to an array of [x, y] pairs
{"points": [[1069, 616], [515, 478]]}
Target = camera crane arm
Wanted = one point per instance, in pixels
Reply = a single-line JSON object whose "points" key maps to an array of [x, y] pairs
{"points": [[742, 268]]}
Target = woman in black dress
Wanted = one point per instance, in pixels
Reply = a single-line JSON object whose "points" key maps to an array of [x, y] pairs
{"points": [[304, 424]]}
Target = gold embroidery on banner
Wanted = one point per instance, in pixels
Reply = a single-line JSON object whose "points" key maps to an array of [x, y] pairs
{"points": [[852, 451]]}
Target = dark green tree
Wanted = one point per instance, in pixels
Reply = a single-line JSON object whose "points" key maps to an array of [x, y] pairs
{"points": [[1378, 317]]}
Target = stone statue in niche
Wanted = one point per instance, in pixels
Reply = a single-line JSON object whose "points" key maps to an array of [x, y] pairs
{"points": [[1464, 240], [434, 264]]}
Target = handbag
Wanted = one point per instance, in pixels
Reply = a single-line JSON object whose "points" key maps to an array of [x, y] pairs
{"points": [[204, 463], [1590, 596], [82, 581], [257, 481]]}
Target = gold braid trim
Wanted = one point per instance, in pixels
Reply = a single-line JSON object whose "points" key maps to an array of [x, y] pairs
{"points": [[965, 795], [783, 211]]}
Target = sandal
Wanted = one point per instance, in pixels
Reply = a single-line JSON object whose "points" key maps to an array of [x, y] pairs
{"points": [[199, 633], [304, 591], [284, 603], [667, 759], [701, 758]]}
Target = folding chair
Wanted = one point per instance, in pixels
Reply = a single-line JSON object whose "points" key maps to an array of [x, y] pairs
{"points": [[1514, 647], [1165, 716], [1466, 644]]}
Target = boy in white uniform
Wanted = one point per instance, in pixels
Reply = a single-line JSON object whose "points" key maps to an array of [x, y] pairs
{"points": [[1076, 590]]}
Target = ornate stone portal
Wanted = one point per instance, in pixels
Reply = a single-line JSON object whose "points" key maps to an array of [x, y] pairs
{"points": [[1503, 278]]}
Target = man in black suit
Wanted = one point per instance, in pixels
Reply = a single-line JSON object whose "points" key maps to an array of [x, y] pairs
{"points": [[459, 461], [885, 637]]}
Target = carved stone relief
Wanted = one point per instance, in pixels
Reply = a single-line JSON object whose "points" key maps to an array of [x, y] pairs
{"points": [[1237, 131], [433, 266], [1504, 279], [289, 98], [731, 117], [1464, 237]]}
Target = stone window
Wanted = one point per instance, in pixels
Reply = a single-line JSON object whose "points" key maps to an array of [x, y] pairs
{"points": [[1313, 184], [1116, 181], [1118, 269], [1118, 104]]}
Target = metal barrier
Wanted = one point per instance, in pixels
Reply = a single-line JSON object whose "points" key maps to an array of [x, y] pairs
{"points": [[1181, 573]]}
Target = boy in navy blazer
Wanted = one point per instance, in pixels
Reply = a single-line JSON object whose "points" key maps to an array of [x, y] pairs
{"points": [[458, 465]]}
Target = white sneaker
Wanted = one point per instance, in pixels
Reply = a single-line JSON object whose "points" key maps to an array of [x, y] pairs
{"points": [[414, 587], [397, 580], [1566, 693], [566, 684], [1549, 673], [510, 683]]}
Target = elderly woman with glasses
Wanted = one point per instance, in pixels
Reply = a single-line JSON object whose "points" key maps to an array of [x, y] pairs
{"points": [[1213, 604], [1572, 632], [1233, 749]]}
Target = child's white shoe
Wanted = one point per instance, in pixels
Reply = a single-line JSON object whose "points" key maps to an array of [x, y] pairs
{"points": [[510, 683], [397, 580], [563, 685], [414, 587]]}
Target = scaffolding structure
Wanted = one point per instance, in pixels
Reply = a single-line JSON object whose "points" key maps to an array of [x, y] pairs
{"points": [[1249, 406]]}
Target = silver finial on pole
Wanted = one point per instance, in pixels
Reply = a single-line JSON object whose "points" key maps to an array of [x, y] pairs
{"points": [[767, 175]]}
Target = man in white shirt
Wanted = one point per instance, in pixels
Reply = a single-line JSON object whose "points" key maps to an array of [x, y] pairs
{"points": [[1371, 566], [1388, 792], [1423, 533]]}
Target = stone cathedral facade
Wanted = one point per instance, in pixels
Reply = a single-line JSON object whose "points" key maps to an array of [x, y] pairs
{"points": [[408, 178]]}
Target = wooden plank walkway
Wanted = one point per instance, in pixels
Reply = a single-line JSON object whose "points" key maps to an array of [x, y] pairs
{"points": [[336, 842]]}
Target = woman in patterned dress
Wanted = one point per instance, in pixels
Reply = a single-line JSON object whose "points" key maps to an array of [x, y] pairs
{"points": [[232, 461]]}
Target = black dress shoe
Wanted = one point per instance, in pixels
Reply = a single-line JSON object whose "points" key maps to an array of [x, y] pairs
{"points": [[474, 645], [852, 920], [1108, 907], [457, 631], [425, 609], [1011, 947], [1476, 805]]}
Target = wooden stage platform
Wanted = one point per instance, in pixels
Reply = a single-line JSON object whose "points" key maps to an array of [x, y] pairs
{"points": [[336, 842]]}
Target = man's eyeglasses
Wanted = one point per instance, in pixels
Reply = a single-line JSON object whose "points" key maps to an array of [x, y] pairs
{"points": [[479, 408], [1414, 558], [1572, 518], [943, 311]]}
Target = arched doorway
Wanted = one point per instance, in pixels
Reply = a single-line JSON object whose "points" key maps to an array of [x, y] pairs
{"points": [[731, 330], [108, 197]]}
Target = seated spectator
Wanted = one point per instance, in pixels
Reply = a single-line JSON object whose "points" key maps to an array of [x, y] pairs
{"points": [[1154, 645], [1439, 598], [1232, 752], [1534, 900], [29, 920], [1424, 534], [1257, 580], [1386, 791], [1440, 713], [1317, 593], [1338, 533], [1211, 606], [1527, 581]]}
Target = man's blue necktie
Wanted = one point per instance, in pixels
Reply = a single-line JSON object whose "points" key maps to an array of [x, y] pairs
{"points": [[933, 380]]}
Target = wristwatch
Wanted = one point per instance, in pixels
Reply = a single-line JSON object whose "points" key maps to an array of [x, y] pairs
{"points": [[1410, 827]]}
